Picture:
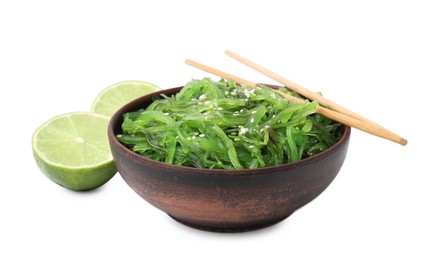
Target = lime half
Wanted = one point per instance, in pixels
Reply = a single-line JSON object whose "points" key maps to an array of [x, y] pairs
{"points": [[73, 150], [115, 96]]}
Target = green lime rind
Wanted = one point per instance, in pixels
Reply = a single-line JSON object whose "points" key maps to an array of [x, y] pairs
{"points": [[73, 150], [76, 178], [115, 96]]}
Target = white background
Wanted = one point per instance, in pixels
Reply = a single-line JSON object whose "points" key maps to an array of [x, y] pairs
{"points": [[379, 58]]}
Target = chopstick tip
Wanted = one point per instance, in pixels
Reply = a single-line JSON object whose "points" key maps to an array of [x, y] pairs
{"points": [[403, 142]]}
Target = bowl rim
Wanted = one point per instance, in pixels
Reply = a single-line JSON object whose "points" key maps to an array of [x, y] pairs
{"points": [[206, 171]]}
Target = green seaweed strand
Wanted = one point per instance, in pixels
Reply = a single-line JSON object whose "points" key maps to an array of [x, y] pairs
{"points": [[224, 125]]}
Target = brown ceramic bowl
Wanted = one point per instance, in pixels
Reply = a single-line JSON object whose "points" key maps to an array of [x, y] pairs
{"points": [[225, 200]]}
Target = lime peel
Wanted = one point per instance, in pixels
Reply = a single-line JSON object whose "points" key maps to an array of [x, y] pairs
{"points": [[74, 165], [115, 96]]}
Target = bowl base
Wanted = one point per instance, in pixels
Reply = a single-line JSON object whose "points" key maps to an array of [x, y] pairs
{"points": [[227, 228]]}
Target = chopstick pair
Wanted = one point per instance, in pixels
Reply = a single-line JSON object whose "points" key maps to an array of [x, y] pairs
{"points": [[336, 113]]}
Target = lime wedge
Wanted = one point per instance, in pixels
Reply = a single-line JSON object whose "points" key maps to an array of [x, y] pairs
{"points": [[115, 96], [73, 150]]}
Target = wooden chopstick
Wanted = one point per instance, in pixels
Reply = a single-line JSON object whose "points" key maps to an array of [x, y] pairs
{"points": [[314, 96], [336, 116], [237, 79]]}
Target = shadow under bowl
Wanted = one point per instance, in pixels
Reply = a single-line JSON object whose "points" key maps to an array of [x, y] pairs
{"points": [[224, 200]]}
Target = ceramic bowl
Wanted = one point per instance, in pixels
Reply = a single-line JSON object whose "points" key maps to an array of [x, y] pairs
{"points": [[225, 200]]}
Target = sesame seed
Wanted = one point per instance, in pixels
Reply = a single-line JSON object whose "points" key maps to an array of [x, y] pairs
{"points": [[253, 112], [202, 135], [242, 130], [246, 93], [251, 146], [252, 120]]}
